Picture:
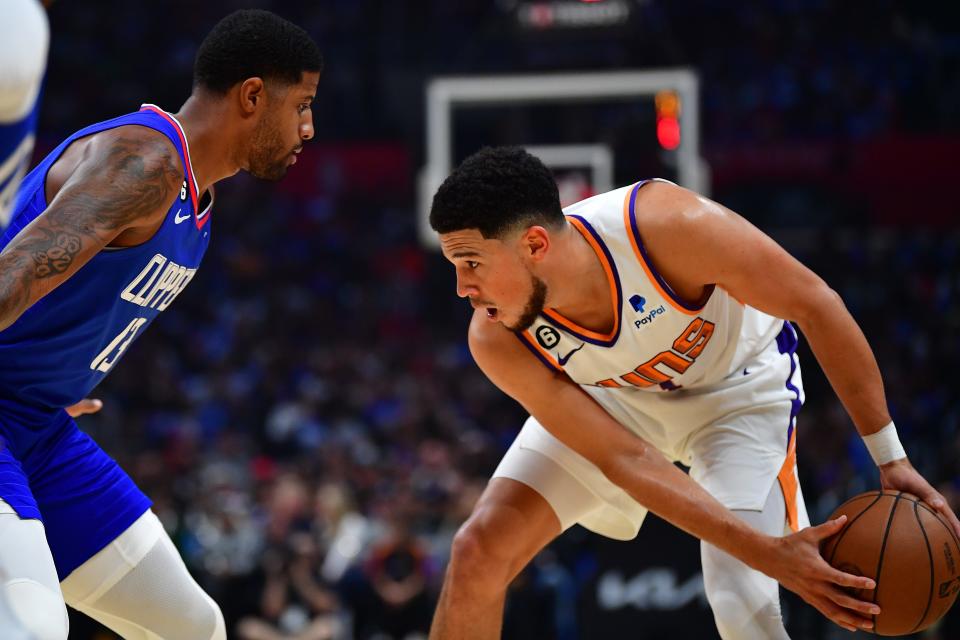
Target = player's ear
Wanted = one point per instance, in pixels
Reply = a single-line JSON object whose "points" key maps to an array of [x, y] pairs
{"points": [[251, 95], [536, 241]]}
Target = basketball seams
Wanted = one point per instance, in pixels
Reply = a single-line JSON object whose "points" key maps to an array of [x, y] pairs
{"points": [[883, 548], [900, 537], [862, 496], [849, 525], [926, 540], [939, 518]]}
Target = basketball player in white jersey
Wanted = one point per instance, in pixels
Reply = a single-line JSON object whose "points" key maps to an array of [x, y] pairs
{"points": [[646, 326], [24, 40]]}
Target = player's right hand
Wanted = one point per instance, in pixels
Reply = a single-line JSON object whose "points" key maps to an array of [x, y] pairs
{"points": [[900, 475], [801, 568]]}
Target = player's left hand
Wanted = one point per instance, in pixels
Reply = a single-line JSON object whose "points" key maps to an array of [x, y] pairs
{"points": [[899, 475], [85, 406]]}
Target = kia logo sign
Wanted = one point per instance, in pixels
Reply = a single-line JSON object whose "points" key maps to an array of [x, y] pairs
{"points": [[653, 589]]}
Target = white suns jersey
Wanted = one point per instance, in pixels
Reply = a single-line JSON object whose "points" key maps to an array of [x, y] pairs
{"points": [[659, 344]]}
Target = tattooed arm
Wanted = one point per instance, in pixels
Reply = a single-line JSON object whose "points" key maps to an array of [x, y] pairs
{"points": [[124, 182]]}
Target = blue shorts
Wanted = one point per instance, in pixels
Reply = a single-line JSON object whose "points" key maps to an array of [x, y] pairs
{"points": [[53, 472]]}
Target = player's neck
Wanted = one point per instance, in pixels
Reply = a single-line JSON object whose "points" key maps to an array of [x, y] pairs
{"points": [[211, 152], [579, 288]]}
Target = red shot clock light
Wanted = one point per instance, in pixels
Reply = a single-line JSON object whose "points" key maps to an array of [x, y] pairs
{"points": [[667, 104]]}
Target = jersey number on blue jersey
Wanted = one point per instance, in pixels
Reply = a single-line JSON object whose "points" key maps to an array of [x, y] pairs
{"points": [[103, 362]]}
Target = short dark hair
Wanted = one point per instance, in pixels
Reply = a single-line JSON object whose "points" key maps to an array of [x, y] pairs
{"points": [[254, 43], [496, 190]]}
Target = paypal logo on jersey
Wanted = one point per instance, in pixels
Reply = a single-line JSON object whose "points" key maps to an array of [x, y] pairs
{"points": [[638, 302]]}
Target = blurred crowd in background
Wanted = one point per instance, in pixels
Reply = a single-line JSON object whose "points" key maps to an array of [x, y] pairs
{"points": [[307, 418]]}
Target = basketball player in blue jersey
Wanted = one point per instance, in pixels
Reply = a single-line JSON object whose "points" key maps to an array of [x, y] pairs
{"points": [[639, 327], [106, 232]]}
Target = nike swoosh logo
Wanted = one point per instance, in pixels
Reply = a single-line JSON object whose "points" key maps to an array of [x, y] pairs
{"points": [[562, 360], [177, 219]]}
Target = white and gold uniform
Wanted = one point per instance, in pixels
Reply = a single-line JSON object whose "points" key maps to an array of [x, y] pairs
{"points": [[714, 385]]}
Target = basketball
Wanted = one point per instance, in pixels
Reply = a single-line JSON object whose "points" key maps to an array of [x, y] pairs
{"points": [[907, 548]]}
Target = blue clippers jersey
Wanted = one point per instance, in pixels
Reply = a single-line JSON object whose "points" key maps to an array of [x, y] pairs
{"points": [[63, 345]]}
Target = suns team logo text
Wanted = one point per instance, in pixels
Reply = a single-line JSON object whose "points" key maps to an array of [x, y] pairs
{"points": [[673, 362]]}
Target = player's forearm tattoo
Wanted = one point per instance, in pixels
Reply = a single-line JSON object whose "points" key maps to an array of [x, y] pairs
{"points": [[94, 204], [14, 286], [54, 253]]}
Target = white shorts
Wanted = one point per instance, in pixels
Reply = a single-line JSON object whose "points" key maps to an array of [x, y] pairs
{"points": [[744, 441]]}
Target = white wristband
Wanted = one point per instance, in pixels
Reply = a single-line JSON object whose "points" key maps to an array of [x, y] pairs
{"points": [[884, 445]]}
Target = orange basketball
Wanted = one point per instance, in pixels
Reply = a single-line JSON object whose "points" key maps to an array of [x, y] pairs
{"points": [[907, 548]]}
